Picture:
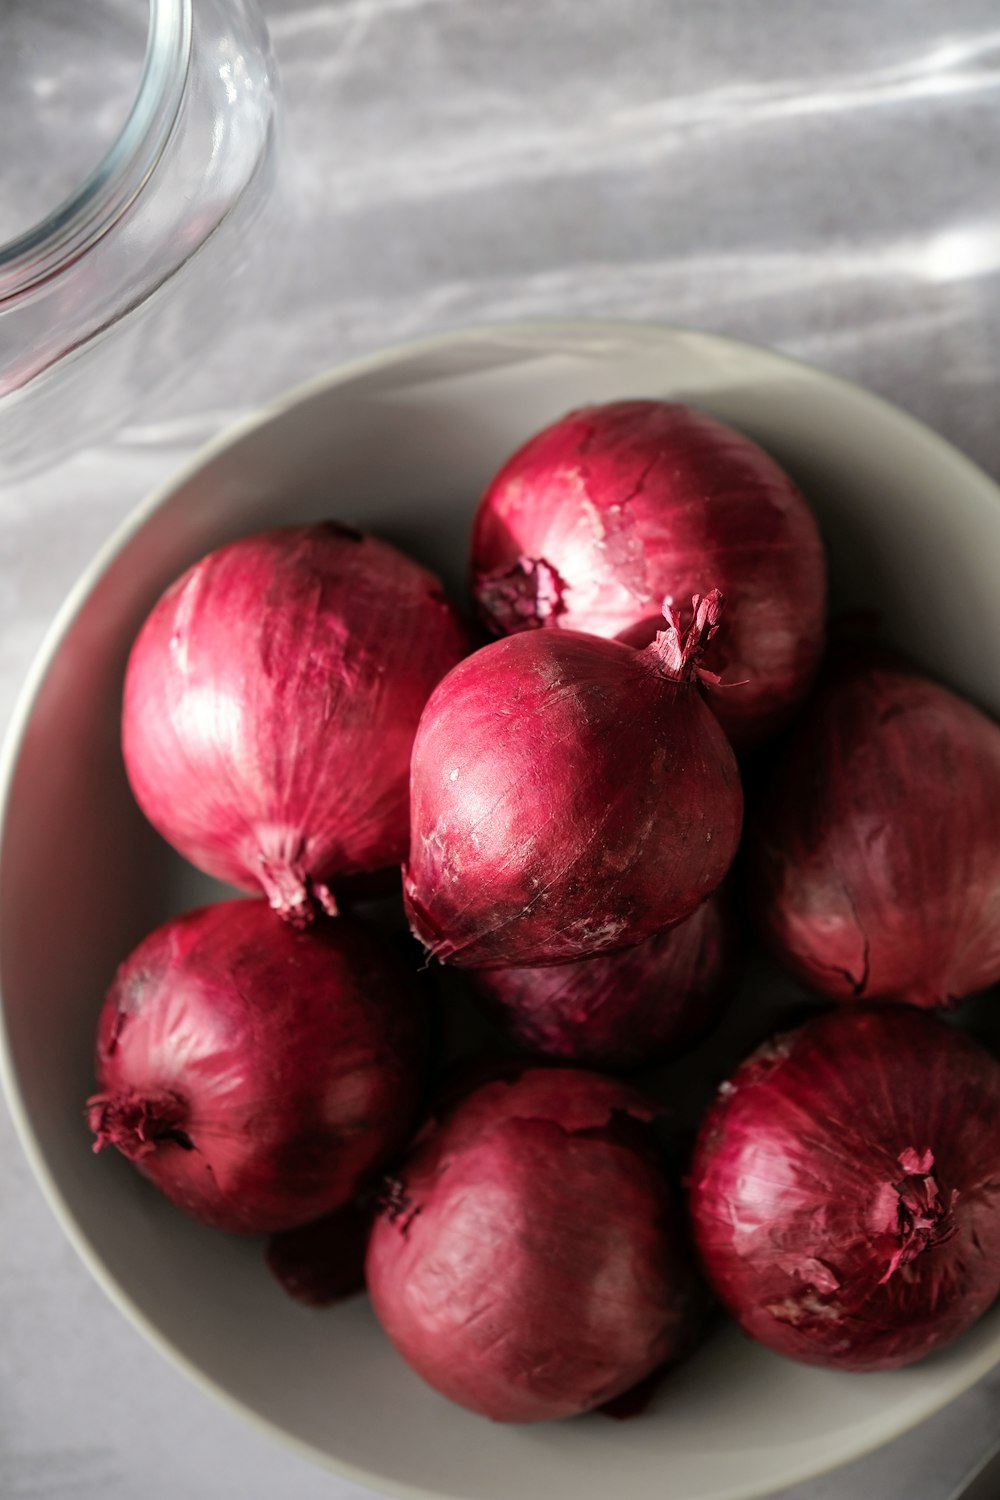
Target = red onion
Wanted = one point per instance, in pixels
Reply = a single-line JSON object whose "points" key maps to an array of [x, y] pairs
{"points": [[569, 796], [626, 1009], [271, 701], [528, 1262], [257, 1075], [598, 517], [875, 862], [845, 1188], [323, 1263]]}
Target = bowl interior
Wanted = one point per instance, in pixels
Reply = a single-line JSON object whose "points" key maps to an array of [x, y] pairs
{"points": [[402, 445]]}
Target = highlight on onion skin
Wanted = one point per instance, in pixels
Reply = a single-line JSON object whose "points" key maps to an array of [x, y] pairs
{"points": [[529, 1261], [604, 513], [845, 1188], [874, 862], [569, 796], [257, 1075], [271, 700], [623, 1010]]}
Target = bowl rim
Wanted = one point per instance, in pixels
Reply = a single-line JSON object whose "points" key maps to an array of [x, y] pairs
{"points": [[797, 1470]]}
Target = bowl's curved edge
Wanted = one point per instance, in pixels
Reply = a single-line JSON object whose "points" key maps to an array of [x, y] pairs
{"points": [[642, 332]]}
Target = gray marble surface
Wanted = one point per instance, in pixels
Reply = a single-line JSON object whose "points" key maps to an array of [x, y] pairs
{"points": [[820, 178]]}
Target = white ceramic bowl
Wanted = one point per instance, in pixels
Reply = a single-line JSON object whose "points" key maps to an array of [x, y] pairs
{"points": [[402, 444]]}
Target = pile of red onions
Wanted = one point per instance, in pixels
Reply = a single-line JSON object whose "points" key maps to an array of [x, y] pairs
{"points": [[569, 796], [845, 1188], [529, 1261], [271, 701], [875, 859], [259, 1076], [598, 518], [300, 717]]}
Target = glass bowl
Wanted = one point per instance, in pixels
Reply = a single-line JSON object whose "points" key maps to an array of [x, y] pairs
{"points": [[158, 159]]}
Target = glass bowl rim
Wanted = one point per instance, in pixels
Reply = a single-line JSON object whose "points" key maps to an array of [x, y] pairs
{"points": [[71, 229]]}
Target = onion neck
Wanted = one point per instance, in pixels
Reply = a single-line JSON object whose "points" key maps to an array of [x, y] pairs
{"points": [[924, 1215], [291, 892], [395, 1204], [678, 651], [137, 1123]]}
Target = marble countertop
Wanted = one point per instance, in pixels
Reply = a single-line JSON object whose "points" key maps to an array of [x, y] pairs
{"points": [[819, 178]]}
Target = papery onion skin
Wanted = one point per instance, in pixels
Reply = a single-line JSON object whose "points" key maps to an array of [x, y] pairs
{"points": [[874, 861], [609, 510], [259, 1076], [529, 1262], [845, 1188], [569, 796], [622, 1010], [270, 705]]}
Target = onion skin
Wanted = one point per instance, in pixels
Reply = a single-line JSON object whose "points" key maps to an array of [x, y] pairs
{"points": [[257, 1075], [623, 1010], [600, 516], [271, 700], [874, 863], [569, 796], [845, 1188], [528, 1262]]}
